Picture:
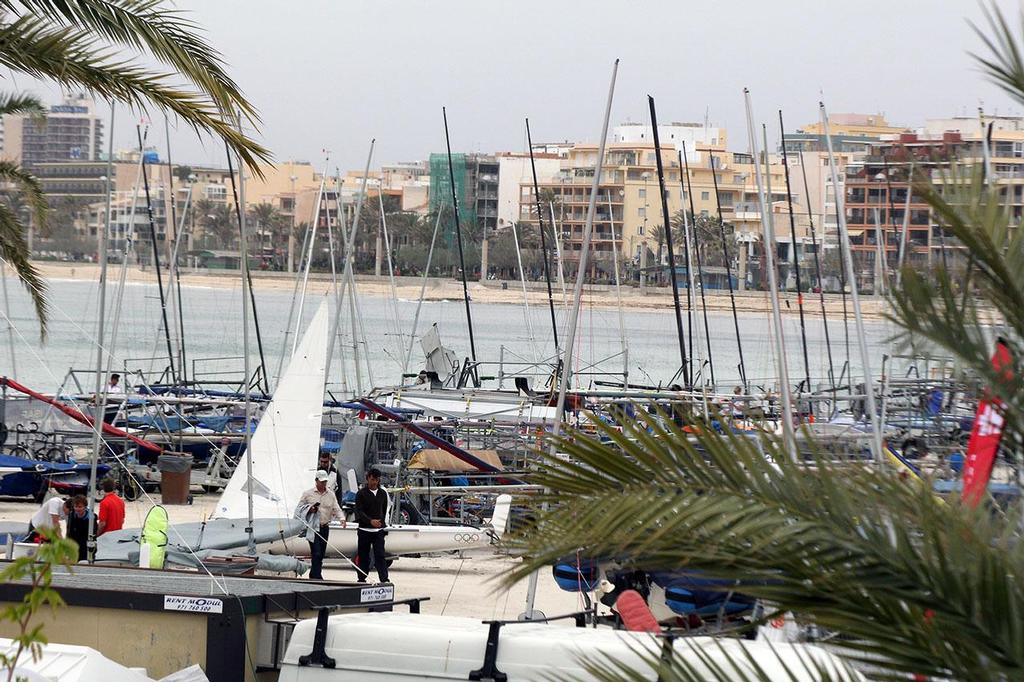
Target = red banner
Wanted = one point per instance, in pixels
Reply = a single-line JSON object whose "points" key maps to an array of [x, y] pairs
{"points": [[986, 433]]}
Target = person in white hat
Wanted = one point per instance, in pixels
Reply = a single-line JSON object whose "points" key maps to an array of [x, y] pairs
{"points": [[325, 504]]}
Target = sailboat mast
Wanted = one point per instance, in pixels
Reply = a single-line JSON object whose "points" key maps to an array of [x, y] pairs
{"points": [[769, 251], [688, 191], [174, 272], [543, 240], [817, 274], [100, 395], [244, 250], [423, 289], [728, 269], [869, 387], [156, 259], [577, 293], [796, 260], [667, 224], [458, 239]]}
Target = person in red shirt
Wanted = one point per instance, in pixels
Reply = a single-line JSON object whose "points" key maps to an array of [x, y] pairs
{"points": [[111, 509]]}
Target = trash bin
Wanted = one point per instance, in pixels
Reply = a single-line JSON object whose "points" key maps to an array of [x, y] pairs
{"points": [[175, 476]]}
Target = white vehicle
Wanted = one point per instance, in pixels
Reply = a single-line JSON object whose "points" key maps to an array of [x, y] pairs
{"points": [[400, 647]]}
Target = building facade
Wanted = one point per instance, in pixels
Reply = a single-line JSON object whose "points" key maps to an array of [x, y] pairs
{"points": [[70, 131]]}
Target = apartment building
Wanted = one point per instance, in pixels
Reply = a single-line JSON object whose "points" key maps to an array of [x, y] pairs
{"points": [[70, 131]]}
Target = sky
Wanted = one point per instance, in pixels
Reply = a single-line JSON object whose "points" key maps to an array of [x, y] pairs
{"points": [[331, 75]]}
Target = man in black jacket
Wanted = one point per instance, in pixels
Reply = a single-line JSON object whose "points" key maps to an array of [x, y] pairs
{"points": [[371, 513]]}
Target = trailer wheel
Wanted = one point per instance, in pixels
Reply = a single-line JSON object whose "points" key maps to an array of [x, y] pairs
{"points": [[129, 488]]}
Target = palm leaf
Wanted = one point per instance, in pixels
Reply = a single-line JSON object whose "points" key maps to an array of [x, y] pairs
{"points": [[14, 250], [70, 57], [21, 103], [859, 551], [149, 25]]}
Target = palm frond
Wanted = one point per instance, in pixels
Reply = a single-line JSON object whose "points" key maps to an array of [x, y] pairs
{"points": [[30, 189], [14, 250], [69, 57], [1004, 64], [859, 551], [20, 103], [149, 25]]}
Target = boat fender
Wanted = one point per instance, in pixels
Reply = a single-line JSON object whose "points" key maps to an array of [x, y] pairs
{"points": [[318, 656], [489, 671]]}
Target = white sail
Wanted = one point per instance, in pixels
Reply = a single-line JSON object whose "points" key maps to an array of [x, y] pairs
{"points": [[284, 446]]}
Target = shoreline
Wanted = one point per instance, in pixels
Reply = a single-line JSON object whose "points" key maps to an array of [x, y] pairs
{"points": [[601, 296]]}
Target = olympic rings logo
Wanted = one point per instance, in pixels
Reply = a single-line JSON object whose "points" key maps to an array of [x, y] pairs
{"points": [[467, 538]]}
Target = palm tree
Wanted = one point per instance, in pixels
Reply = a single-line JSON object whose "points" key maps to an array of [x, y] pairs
{"points": [[269, 222], [917, 586], [220, 223], [102, 47]]}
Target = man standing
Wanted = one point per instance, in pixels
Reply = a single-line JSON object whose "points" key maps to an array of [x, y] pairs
{"points": [[78, 525], [111, 516], [324, 503], [324, 463], [371, 512]]}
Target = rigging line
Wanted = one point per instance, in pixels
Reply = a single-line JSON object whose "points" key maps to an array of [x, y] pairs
{"points": [[423, 289], [687, 224], [817, 274], [618, 296], [333, 255], [248, 273], [526, 299], [309, 261], [338, 300], [348, 281], [543, 238], [391, 276], [667, 229], [156, 258], [458, 239], [795, 258], [295, 294]]}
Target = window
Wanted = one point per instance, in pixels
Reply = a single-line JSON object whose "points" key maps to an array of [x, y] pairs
{"points": [[641, 212], [737, 179], [640, 229], [642, 194], [704, 196]]}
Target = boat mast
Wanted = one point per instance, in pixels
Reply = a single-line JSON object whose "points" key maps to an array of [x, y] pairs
{"points": [[817, 274], [100, 395], [458, 239], [667, 222], [174, 272], [243, 249], [588, 226], [156, 259], [906, 226], [543, 242], [869, 388], [796, 260], [768, 226], [309, 261], [687, 189], [240, 213], [728, 269]]}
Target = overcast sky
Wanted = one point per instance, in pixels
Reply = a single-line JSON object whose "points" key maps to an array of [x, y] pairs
{"points": [[333, 74]]}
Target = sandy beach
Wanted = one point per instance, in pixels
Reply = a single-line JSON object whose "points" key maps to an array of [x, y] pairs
{"points": [[465, 584], [492, 291]]}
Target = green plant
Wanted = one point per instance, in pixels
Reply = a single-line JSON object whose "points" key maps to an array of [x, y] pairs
{"points": [[37, 571]]}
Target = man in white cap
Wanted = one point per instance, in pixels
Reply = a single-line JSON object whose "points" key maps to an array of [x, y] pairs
{"points": [[325, 504]]}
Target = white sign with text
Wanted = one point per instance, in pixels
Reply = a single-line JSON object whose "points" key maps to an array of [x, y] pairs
{"points": [[377, 593], [193, 604]]}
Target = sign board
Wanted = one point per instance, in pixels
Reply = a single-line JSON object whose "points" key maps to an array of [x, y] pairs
{"points": [[377, 593], [193, 604]]}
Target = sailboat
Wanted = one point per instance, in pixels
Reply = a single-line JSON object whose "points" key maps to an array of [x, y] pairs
{"points": [[283, 452]]}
